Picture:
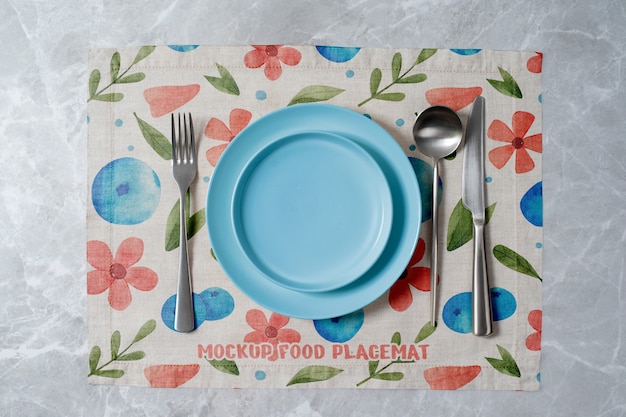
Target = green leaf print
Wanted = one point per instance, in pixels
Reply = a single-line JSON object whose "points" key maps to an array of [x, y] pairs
{"points": [[426, 330], [375, 78], [144, 51], [195, 222], [94, 358], [389, 376], [396, 66], [412, 79], [225, 82], [511, 259], [225, 365], [110, 373], [425, 54], [115, 344], [98, 94], [95, 369], [506, 365], [508, 86], [133, 356], [114, 68], [94, 81], [145, 330], [315, 93], [461, 227], [314, 373], [397, 77], [157, 140], [132, 78], [375, 373]]}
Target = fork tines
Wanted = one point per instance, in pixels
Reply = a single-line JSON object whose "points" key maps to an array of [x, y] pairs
{"points": [[183, 141]]}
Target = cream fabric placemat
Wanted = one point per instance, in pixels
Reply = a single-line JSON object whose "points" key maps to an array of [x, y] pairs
{"points": [[132, 221]]}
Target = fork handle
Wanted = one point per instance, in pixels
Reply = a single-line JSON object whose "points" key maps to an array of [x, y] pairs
{"points": [[184, 314]]}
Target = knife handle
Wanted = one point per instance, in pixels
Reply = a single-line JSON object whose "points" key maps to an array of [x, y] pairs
{"points": [[481, 297]]}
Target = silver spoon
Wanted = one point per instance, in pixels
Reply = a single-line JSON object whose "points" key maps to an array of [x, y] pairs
{"points": [[437, 133]]}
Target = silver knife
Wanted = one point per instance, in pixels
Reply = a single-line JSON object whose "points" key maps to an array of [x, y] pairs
{"points": [[474, 201]]}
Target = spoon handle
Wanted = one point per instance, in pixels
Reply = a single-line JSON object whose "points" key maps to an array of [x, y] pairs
{"points": [[434, 246]]}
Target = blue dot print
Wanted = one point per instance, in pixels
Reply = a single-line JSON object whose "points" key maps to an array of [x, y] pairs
{"points": [[457, 312], [337, 53], [260, 375], [126, 191], [400, 122], [349, 73], [261, 95], [340, 329], [118, 122], [531, 205], [182, 48]]}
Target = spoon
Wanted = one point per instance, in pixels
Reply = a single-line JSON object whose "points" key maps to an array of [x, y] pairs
{"points": [[437, 133]]}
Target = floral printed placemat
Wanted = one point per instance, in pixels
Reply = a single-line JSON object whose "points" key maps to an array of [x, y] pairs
{"points": [[132, 221]]}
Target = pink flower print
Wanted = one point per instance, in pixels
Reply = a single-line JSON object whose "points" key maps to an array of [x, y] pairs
{"points": [[271, 56], [533, 341], [216, 129], [271, 331], [116, 273], [400, 296], [517, 142]]}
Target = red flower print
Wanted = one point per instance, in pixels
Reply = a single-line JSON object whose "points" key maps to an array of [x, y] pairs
{"points": [[269, 331], [216, 129], [271, 56], [533, 341], [400, 296], [517, 142], [116, 273], [534, 64]]}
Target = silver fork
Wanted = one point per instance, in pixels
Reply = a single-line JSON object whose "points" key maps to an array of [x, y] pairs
{"points": [[184, 167]]}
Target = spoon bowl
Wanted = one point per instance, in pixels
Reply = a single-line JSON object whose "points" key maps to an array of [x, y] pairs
{"points": [[437, 133]]}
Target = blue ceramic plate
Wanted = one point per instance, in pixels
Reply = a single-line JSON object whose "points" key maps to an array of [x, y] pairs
{"points": [[276, 152], [312, 211]]}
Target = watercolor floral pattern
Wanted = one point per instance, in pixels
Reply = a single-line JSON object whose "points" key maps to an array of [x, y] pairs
{"points": [[241, 345], [518, 142], [400, 295], [118, 273], [271, 57], [269, 331]]}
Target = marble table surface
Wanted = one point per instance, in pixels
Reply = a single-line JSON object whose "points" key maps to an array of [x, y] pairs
{"points": [[43, 193]]}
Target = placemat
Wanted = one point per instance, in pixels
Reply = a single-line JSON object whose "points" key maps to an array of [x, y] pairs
{"points": [[132, 221]]}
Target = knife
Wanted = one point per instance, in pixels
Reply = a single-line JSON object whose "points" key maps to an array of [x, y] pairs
{"points": [[474, 200]]}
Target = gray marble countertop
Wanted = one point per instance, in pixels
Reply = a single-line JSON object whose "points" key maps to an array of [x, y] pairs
{"points": [[43, 79]]}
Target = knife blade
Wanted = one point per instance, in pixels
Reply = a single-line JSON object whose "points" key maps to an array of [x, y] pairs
{"points": [[473, 197]]}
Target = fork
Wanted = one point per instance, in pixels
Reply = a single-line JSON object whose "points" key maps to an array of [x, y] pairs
{"points": [[184, 167]]}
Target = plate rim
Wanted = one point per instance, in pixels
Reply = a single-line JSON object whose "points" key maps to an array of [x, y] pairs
{"points": [[394, 162]]}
